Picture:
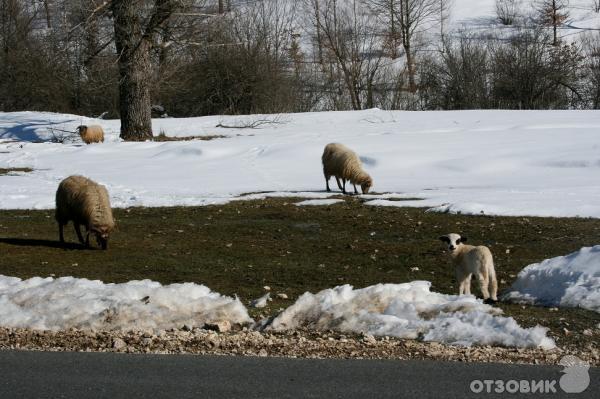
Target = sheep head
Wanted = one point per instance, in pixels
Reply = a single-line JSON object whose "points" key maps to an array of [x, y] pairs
{"points": [[366, 185], [453, 241]]}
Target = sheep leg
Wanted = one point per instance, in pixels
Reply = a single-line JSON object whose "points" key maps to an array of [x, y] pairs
{"points": [[460, 280], [355, 190], [493, 289], [327, 182], [344, 186], [60, 232], [87, 237], [483, 285], [78, 231], [467, 289], [337, 179]]}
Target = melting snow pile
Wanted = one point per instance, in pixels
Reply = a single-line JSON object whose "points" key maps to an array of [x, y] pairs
{"points": [[570, 281], [58, 304], [411, 311]]}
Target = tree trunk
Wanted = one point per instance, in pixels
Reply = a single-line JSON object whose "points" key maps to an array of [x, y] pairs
{"points": [[410, 63], [135, 71], [48, 17]]}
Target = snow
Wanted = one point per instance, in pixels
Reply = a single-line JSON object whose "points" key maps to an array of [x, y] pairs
{"points": [[568, 281], [407, 310], [68, 302], [479, 17], [410, 311], [261, 302], [538, 163], [319, 202]]}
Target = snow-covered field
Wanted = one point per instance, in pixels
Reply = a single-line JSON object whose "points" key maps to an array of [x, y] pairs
{"points": [[570, 281], [542, 163], [480, 16], [409, 310]]}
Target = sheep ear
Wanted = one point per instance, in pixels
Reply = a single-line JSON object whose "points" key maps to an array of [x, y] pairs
{"points": [[444, 238], [463, 239]]}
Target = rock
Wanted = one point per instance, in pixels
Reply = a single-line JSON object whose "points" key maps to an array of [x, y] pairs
{"points": [[118, 344], [148, 334], [368, 338], [267, 288], [588, 332], [263, 353], [282, 296], [219, 326]]}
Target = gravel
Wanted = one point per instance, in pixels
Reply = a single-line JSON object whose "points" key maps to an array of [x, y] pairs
{"points": [[298, 343]]}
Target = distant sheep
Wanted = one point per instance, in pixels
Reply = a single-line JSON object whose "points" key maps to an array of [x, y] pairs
{"points": [[91, 134], [84, 202], [469, 260], [343, 163]]}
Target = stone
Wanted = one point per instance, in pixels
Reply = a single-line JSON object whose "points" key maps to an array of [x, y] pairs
{"points": [[219, 326], [118, 344]]}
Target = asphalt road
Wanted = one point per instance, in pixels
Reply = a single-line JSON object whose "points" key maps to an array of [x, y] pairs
{"points": [[110, 375]]}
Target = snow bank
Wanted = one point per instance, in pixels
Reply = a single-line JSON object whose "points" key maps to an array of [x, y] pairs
{"points": [[401, 310], [62, 303], [515, 163], [570, 281], [411, 311]]}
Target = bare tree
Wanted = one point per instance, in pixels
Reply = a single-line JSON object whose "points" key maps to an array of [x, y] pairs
{"points": [[507, 11], [136, 24], [529, 73], [458, 78], [591, 46], [411, 17], [350, 39], [552, 13]]}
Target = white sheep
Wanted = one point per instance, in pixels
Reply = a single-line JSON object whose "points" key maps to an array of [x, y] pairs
{"points": [[471, 260], [85, 202], [91, 134], [343, 163]]}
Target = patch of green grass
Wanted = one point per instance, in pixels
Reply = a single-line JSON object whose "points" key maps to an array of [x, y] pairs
{"points": [[4, 171], [240, 247]]}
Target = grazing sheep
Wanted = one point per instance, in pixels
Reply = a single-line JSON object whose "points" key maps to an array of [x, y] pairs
{"points": [[469, 260], [91, 134], [343, 163], [85, 202]]}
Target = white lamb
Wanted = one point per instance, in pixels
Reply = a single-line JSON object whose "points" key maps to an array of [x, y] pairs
{"points": [[469, 260]]}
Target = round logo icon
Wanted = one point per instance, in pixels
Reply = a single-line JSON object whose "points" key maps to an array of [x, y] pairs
{"points": [[576, 377]]}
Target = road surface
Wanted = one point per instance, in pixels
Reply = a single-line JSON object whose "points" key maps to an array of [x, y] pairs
{"points": [[112, 375]]}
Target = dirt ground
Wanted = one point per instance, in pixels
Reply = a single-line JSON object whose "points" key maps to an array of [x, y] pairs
{"points": [[241, 247]]}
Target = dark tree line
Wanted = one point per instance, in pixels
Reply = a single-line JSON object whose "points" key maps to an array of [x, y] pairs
{"points": [[135, 59]]}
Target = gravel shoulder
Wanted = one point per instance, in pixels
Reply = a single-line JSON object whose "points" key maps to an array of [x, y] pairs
{"points": [[295, 344]]}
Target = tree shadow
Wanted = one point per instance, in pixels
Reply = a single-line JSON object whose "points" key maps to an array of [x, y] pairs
{"points": [[30, 242]]}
